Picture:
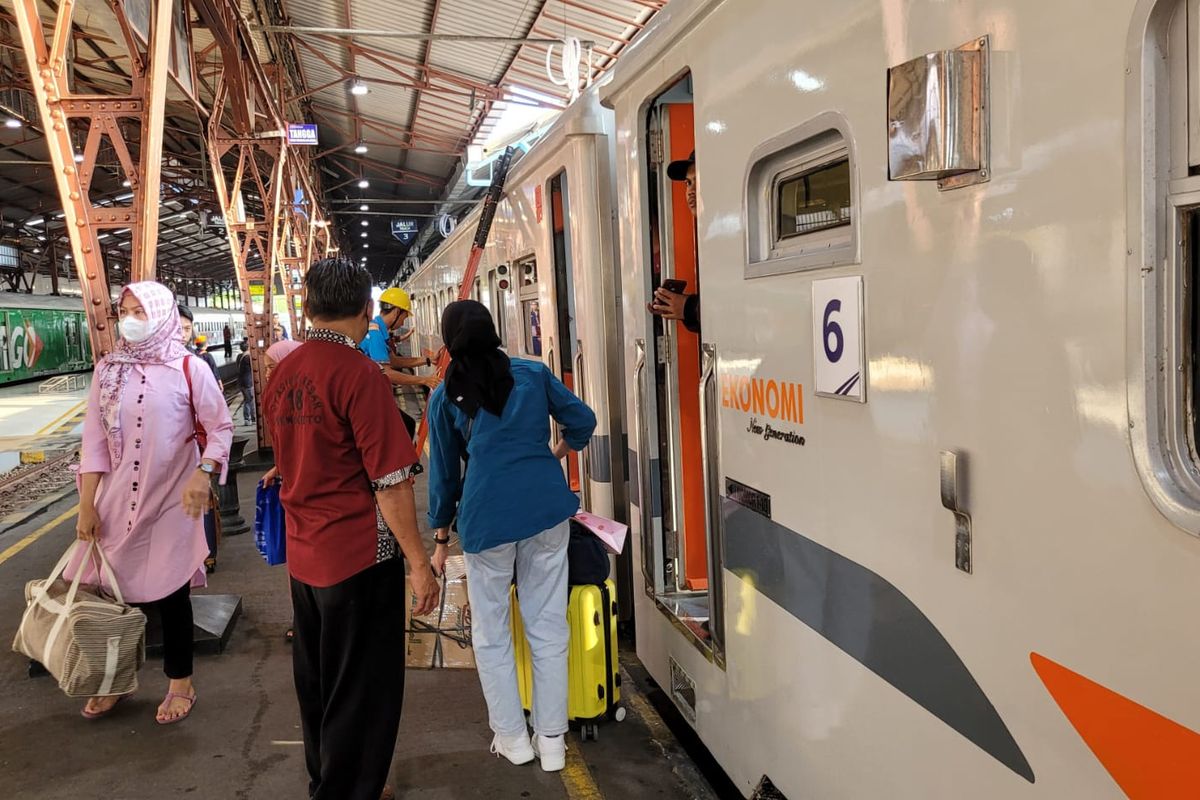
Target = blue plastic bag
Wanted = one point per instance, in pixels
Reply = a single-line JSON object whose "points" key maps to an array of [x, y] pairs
{"points": [[270, 533]]}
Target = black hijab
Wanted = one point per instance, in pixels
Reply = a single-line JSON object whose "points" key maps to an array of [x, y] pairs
{"points": [[479, 375]]}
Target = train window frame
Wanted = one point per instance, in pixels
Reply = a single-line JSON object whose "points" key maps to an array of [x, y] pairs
{"points": [[1163, 259], [820, 142]]}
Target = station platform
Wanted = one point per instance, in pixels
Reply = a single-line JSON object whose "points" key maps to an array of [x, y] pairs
{"points": [[243, 741]]}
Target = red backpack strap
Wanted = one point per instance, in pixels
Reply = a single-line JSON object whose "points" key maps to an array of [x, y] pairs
{"points": [[199, 434]]}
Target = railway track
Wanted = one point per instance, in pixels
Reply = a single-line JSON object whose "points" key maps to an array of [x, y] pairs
{"points": [[25, 485]]}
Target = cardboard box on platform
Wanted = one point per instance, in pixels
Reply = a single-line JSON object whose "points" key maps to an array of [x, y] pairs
{"points": [[441, 638]]}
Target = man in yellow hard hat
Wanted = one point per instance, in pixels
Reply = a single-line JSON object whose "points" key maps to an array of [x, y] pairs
{"points": [[394, 308]]}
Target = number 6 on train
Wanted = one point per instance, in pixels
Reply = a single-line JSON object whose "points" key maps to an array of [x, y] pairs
{"points": [[838, 360]]}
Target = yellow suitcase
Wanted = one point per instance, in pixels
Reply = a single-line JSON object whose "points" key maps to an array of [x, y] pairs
{"points": [[593, 670]]}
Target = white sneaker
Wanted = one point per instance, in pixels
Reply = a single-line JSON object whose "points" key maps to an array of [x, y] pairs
{"points": [[552, 750], [515, 748]]}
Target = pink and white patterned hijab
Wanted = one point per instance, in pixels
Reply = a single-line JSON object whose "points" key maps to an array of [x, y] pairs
{"points": [[164, 345]]}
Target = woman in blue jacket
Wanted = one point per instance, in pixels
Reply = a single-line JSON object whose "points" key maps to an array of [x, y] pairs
{"points": [[512, 506]]}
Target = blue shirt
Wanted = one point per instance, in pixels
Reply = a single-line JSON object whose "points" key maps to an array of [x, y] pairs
{"points": [[514, 487], [375, 345]]}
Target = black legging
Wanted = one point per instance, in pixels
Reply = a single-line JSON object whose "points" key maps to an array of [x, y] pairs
{"points": [[175, 612]]}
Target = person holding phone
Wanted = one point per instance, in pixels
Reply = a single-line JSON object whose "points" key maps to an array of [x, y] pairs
{"points": [[670, 301]]}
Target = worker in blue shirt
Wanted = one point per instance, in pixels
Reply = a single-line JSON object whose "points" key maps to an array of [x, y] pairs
{"points": [[394, 308], [513, 508]]}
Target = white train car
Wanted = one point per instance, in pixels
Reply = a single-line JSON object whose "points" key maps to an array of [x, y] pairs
{"points": [[212, 321], [835, 604], [548, 276]]}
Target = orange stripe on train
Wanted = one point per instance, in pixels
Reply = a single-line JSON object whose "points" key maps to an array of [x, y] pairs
{"points": [[1149, 756]]}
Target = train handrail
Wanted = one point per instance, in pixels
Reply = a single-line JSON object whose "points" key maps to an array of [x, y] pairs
{"points": [[712, 493], [645, 491], [585, 458]]}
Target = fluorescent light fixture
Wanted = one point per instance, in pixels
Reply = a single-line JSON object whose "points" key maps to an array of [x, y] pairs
{"points": [[364, 207], [79, 158], [37, 250], [365, 223], [359, 88], [126, 183], [364, 183], [361, 147], [366, 247], [364, 234], [12, 122]]}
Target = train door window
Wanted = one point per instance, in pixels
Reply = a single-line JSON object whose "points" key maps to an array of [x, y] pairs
{"points": [[531, 312], [681, 548], [498, 292], [566, 337]]}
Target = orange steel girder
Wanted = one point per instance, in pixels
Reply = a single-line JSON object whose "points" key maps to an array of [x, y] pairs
{"points": [[57, 105]]}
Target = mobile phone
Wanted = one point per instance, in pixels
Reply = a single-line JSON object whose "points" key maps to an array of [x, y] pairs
{"points": [[674, 286]]}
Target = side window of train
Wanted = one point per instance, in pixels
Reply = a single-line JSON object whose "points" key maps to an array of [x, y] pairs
{"points": [[1163, 228], [526, 270], [802, 200]]}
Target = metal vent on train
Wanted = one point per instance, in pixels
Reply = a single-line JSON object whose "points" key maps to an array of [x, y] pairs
{"points": [[683, 691]]}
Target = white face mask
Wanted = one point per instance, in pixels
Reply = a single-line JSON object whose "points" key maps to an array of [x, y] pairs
{"points": [[135, 330]]}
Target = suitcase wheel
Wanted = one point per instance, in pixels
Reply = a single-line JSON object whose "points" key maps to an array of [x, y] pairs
{"points": [[619, 713], [589, 731]]}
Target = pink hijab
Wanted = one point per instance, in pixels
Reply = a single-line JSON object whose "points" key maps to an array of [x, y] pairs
{"points": [[282, 349], [164, 346]]}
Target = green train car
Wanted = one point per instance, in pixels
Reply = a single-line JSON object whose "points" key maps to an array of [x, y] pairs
{"points": [[42, 336]]}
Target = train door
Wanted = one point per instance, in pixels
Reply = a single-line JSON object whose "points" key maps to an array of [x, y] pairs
{"points": [[679, 541], [526, 271], [564, 341]]}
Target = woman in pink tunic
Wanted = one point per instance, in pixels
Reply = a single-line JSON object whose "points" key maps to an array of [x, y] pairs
{"points": [[144, 482]]}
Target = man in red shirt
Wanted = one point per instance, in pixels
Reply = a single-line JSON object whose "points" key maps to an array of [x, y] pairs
{"points": [[346, 459]]}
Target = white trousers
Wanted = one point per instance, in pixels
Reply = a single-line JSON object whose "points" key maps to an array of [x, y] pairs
{"points": [[540, 566]]}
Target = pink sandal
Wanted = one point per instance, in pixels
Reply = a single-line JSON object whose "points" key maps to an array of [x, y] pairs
{"points": [[100, 714], [167, 701]]}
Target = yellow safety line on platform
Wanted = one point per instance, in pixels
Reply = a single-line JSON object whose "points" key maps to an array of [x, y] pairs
{"points": [[39, 533], [576, 776], [60, 420]]}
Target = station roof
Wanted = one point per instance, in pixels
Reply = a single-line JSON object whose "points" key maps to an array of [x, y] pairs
{"points": [[440, 75]]}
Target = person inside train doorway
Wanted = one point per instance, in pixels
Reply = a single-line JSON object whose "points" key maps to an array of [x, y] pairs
{"points": [[341, 445], [227, 334], [395, 306], [676, 305], [245, 370]]}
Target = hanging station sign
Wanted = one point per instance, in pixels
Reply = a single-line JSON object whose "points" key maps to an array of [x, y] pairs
{"points": [[301, 134], [405, 230]]}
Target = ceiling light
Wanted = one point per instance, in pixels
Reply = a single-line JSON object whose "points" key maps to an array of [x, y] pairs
{"points": [[126, 183], [361, 147], [364, 234], [364, 207], [12, 122], [358, 88], [37, 250], [366, 247], [79, 158], [474, 153], [364, 183], [365, 223]]}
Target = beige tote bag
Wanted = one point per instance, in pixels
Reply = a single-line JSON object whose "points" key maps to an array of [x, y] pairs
{"points": [[90, 641]]}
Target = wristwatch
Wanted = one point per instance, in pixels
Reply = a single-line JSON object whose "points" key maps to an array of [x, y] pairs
{"points": [[207, 468], [436, 540]]}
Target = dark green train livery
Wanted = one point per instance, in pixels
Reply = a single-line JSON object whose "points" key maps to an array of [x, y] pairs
{"points": [[42, 336]]}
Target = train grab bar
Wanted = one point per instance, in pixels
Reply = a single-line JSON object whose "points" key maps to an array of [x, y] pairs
{"points": [[712, 498], [645, 492], [585, 463]]}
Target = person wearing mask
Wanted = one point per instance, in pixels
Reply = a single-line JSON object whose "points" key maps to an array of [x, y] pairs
{"points": [[672, 305], [144, 483], [513, 509], [210, 516], [245, 369], [341, 445], [394, 308], [207, 357], [227, 333]]}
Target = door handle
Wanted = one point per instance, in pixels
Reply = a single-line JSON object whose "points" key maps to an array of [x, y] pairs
{"points": [[712, 496], [953, 476], [585, 464], [646, 492]]}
